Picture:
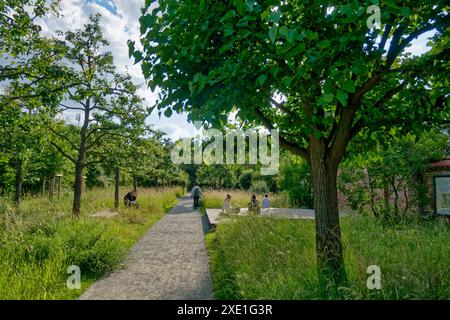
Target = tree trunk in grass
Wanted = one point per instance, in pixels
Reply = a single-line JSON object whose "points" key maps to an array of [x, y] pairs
{"points": [[52, 189], [116, 188], [79, 165], [18, 182], [134, 183], [330, 261], [78, 188]]}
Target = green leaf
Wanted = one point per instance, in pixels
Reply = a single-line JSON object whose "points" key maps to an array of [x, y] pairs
{"points": [[273, 33], [146, 22], [230, 14], [274, 16], [202, 5], [295, 51], [250, 4], [290, 35], [405, 11], [240, 6], [131, 48], [342, 96], [323, 44], [168, 112], [145, 66], [349, 86], [261, 80], [326, 98], [287, 81], [137, 56]]}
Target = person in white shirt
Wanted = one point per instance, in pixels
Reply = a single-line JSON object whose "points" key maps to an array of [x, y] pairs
{"points": [[266, 202]]}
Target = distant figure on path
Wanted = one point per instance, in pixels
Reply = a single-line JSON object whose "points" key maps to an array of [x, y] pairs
{"points": [[253, 206], [227, 202], [266, 202], [130, 199], [196, 193]]}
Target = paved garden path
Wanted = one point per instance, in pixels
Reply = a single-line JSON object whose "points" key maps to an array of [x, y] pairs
{"points": [[169, 262]]}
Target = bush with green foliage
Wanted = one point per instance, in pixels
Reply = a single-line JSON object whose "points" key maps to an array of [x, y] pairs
{"points": [[259, 186], [245, 180], [295, 180], [385, 178]]}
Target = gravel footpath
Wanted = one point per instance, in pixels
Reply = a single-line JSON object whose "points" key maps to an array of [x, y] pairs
{"points": [[169, 262]]}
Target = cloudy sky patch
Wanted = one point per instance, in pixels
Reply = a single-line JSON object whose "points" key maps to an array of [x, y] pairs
{"points": [[120, 23]]}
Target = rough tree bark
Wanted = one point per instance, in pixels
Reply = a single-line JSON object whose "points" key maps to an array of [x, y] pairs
{"points": [[330, 260]]}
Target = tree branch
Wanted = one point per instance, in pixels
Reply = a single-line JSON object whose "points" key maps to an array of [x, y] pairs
{"points": [[293, 147], [62, 152]]}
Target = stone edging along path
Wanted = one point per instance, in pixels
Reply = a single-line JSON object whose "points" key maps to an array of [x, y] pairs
{"points": [[169, 262]]}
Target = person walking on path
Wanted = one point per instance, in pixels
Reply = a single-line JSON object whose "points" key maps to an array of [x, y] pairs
{"points": [[196, 193], [266, 202]]}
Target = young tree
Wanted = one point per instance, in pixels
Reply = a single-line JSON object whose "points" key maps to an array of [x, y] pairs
{"points": [[335, 78], [26, 55], [123, 153], [94, 86]]}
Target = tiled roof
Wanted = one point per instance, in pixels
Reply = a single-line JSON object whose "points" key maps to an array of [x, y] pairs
{"points": [[440, 164]]}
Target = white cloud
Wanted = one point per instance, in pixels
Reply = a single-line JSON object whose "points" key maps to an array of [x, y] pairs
{"points": [[118, 27]]}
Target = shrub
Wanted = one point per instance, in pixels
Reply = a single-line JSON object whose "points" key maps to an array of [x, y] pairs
{"points": [[295, 179], [245, 180], [259, 186]]}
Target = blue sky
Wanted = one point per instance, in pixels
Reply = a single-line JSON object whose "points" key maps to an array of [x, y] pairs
{"points": [[120, 23]]}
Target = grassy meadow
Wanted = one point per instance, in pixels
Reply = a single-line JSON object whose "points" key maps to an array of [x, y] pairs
{"points": [[264, 258], [240, 198], [40, 240]]}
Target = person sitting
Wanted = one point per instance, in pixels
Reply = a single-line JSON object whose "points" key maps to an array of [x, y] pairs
{"points": [[266, 202], [130, 199], [227, 203], [253, 206], [227, 209]]}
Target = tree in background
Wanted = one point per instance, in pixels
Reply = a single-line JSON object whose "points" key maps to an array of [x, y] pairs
{"points": [[336, 78], [97, 92], [393, 169]]}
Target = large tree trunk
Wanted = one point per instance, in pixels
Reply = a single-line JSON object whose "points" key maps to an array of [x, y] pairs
{"points": [[330, 262], [18, 182], [116, 188]]}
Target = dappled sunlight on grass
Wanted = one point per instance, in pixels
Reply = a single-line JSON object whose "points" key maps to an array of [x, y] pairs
{"points": [[39, 241]]}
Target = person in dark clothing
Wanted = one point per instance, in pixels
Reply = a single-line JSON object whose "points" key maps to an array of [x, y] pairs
{"points": [[196, 193], [130, 199]]}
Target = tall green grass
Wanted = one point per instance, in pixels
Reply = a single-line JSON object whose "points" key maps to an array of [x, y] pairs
{"points": [[240, 198], [40, 240], [263, 258]]}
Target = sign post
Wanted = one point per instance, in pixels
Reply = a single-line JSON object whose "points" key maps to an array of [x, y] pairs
{"points": [[442, 194]]}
